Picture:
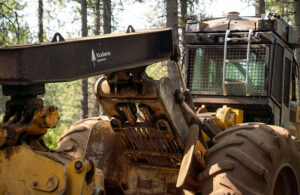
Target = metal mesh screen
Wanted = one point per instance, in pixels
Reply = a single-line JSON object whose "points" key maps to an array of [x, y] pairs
{"points": [[205, 70], [293, 116], [287, 84], [277, 73]]}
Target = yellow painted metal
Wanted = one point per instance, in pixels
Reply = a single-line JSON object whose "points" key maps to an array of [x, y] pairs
{"points": [[295, 129], [99, 178], [77, 178], [227, 117], [224, 117], [199, 153], [202, 109], [3, 135], [193, 161], [239, 116], [26, 171], [43, 118], [33, 169], [205, 137]]}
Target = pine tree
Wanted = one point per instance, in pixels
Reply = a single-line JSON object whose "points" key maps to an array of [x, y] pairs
{"points": [[260, 7], [95, 111], [84, 82], [172, 21], [40, 20]]}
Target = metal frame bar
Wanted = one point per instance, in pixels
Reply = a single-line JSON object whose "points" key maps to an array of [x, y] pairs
{"points": [[225, 61], [248, 59]]}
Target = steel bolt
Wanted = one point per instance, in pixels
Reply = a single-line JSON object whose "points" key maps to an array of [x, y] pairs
{"points": [[78, 165], [35, 183], [50, 182]]}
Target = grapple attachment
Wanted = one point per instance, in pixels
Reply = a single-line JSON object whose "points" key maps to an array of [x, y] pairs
{"points": [[144, 112]]}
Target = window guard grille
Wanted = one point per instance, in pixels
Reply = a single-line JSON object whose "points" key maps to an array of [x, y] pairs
{"points": [[205, 69]]}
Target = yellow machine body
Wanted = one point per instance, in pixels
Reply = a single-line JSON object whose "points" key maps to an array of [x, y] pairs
{"points": [[28, 167], [26, 171], [223, 118], [227, 117]]}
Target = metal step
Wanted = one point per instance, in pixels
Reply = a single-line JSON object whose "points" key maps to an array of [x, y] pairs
{"points": [[235, 83], [226, 61], [237, 39], [235, 60]]}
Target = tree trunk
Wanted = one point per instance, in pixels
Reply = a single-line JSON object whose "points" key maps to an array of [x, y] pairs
{"points": [[84, 82], [172, 21], [84, 30], [183, 4], [3, 100], [97, 17], [107, 16], [107, 20], [96, 106], [260, 7], [297, 26], [40, 20]]}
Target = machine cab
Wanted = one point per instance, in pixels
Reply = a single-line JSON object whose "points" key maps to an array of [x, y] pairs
{"points": [[246, 63]]}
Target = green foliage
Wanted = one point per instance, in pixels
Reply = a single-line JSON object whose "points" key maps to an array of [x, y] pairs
{"points": [[284, 7], [12, 29], [66, 97], [157, 18], [157, 70], [3, 99]]}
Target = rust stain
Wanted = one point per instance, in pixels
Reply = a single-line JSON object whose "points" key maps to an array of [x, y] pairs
{"points": [[146, 184], [10, 150], [171, 188]]}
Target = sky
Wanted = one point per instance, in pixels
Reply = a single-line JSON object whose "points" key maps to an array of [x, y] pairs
{"points": [[135, 14]]}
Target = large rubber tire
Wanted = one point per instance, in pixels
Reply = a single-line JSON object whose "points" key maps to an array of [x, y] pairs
{"points": [[75, 140], [75, 143], [252, 159]]}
